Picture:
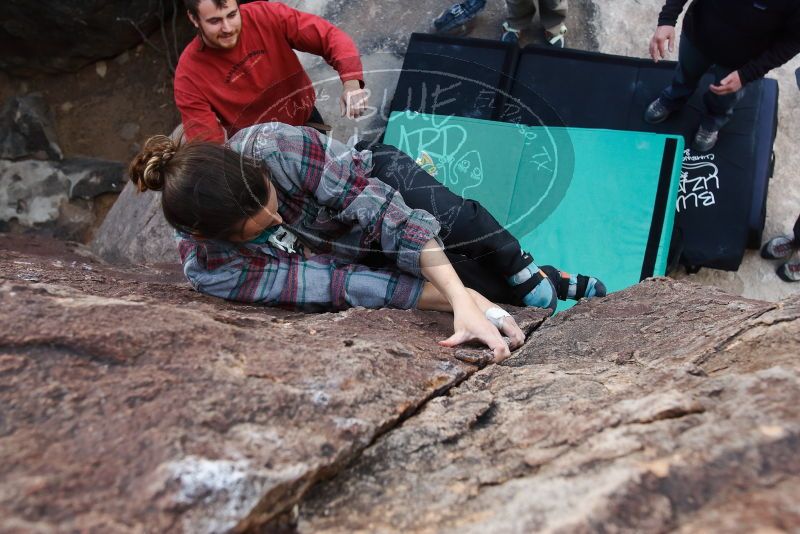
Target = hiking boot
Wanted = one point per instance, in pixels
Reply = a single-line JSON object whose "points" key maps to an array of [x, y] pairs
{"points": [[778, 248], [656, 112], [510, 35], [556, 39], [790, 271], [458, 18], [704, 140]]}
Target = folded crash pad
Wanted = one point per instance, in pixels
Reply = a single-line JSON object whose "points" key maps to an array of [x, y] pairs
{"points": [[586, 200], [722, 196]]}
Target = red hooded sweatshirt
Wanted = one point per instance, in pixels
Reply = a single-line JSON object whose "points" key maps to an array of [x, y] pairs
{"points": [[260, 79]]}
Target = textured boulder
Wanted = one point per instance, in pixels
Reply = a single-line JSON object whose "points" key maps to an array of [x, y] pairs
{"points": [[26, 129], [135, 231], [131, 403], [663, 407], [52, 36], [54, 196], [41, 191], [90, 177]]}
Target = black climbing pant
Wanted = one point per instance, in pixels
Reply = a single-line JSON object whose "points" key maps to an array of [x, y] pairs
{"points": [[482, 252]]}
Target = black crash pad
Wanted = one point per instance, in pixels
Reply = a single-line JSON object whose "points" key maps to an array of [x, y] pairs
{"points": [[722, 199]]}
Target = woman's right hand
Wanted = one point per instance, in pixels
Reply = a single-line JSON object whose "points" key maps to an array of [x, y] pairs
{"points": [[470, 324]]}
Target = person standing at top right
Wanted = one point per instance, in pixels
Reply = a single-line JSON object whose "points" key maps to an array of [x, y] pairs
{"points": [[738, 40]]}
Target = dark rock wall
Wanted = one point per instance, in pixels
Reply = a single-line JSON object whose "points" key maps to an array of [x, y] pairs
{"points": [[40, 191], [53, 36]]}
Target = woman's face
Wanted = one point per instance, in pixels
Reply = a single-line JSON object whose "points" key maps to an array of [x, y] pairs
{"points": [[263, 219]]}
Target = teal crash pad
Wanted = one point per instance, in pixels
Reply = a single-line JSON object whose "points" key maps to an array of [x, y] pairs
{"points": [[598, 202]]}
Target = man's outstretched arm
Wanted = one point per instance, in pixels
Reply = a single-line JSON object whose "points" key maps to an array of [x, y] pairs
{"points": [[308, 33]]}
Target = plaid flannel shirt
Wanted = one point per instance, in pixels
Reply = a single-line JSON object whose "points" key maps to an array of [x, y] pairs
{"points": [[328, 200]]}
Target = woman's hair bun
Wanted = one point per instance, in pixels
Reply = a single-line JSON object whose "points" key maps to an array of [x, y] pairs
{"points": [[149, 168]]}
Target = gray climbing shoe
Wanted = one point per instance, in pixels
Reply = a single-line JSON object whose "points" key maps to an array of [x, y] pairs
{"points": [[656, 112], [704, 140]]}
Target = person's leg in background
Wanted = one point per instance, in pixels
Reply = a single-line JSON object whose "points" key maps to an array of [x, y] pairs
{"points": [[519, 16], [553, 14], [790, 271], [719, 110], [692, 64], [470, 231]]}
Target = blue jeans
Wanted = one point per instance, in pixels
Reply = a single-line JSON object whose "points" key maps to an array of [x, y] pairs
{"points": [[692, 65]]}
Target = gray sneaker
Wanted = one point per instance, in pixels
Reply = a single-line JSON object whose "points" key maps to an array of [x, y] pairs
{"points": [[778, 248], [790, 271], [656, 112], [704, 140]]}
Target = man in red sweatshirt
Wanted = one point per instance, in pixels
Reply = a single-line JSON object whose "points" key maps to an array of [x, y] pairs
{"points": [[241, 69]]}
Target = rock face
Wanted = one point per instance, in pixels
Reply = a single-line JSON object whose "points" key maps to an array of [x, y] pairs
{"points": [[26, 129], [55, 196], [135, 231], [132, 403], [135, 405], [664, 407], [52, 36], [41, 191]]}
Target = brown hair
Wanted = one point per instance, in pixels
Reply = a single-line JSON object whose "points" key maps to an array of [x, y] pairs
{"points": [[207, 189], [191, 5]]}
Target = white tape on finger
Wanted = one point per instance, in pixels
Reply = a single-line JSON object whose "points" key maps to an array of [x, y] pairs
{"points": [[496, 315]]}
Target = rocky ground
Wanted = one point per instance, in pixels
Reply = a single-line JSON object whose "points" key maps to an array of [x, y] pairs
{"points": [[133, 404]]}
